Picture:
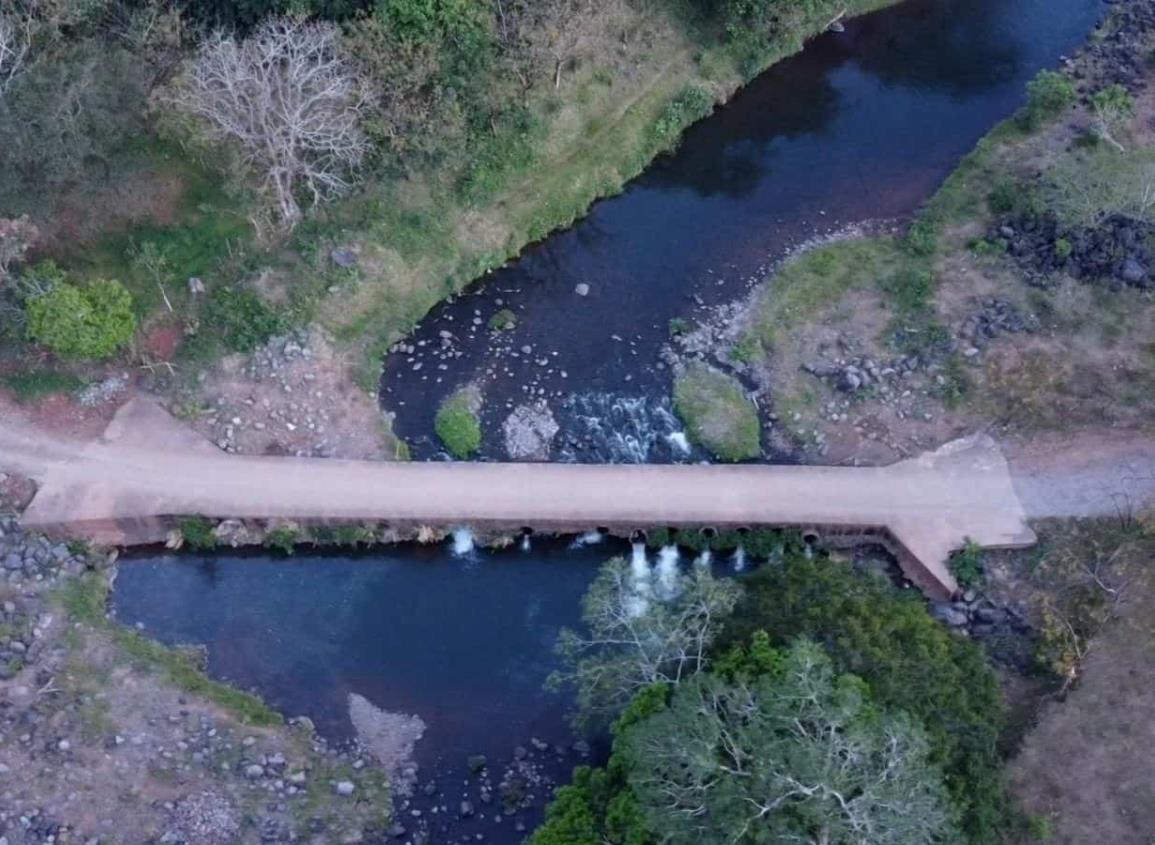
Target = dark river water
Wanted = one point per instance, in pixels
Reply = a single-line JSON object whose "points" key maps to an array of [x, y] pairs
{"points": [[861, 125]]}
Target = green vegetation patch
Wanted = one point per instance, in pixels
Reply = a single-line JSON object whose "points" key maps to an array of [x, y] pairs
{"points": [[815, 280], [457, 423], [717, 413], [30, 385]]}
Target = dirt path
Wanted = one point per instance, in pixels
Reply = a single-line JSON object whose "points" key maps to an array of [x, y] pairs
{"points": [[1107, 473], [148, 466]]}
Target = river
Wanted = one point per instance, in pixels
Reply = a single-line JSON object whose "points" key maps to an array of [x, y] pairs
{"points": [[862, 125]]}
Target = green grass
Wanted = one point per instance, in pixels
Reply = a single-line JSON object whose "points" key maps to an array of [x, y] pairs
{"points": [[30, 385], [457, 424], [814, 281], [717, 413], [210, 232], [84, 599]]}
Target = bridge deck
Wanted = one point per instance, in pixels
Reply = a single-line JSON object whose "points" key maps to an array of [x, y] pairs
{"points": [[148, 465]]}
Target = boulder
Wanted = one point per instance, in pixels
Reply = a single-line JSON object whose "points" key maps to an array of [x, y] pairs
{"points": [[529, 432]]}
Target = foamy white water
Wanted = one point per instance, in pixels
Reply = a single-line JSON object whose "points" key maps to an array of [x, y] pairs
{"points": [[739, 559], [669, 579], [462, 540]]}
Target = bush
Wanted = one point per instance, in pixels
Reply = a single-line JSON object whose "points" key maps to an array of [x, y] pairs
{"points": [[909, 662], [717, 413], [198, 532], [90, 322], [1048, 95], [967, 565], [909, 289], [241, 319], [457, 424], [687, 108], [922, 237]]}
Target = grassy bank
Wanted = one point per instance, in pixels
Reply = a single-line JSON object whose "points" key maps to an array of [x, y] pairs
{"points": [[422, 233]]}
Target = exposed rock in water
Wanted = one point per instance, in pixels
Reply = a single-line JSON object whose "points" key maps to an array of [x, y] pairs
{"points": [[389, 738], [529, 432]]}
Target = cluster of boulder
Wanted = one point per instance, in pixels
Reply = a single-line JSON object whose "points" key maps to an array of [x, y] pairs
{"points": [[1114, 252], [994, 317]]}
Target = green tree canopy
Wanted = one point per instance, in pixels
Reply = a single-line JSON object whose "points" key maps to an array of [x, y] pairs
{"points": [[908, 660], [798, 754]]}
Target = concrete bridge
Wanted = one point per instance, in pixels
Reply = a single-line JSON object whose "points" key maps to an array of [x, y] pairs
{"points": [[149, 468]]}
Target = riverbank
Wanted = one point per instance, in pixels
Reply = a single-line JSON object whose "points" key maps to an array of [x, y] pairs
{"points": [[363, 271], [106, 735], [1019, 302]]}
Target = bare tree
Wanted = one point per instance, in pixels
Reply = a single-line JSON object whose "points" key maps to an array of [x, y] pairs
{"points": [[291, 101], [637, 639], [563, 31], [17, 235], [16, 31]]}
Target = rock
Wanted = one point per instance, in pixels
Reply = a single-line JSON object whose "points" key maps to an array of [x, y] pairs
{"points": [[343, 257], [397, 830], [195, 285], [253, 771], [582, 289], [991, 615], [849, 382], [344, 787], [949, 614], [465, 811], [477, 763], [529, 432], [1133, 273]]}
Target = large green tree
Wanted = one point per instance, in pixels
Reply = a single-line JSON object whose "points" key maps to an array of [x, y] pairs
{"points": [[909, 661], [797, 754]]}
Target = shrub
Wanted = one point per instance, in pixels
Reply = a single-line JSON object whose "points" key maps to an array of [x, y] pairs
{"points": [[457, 424], [717, 413], [283, 539], [90, 322], [1063, 249], [197, 532], [1048, 95], [967, 565], [1004, 198], [689, 107], [922, 237], [241, 319], [909, 289]]}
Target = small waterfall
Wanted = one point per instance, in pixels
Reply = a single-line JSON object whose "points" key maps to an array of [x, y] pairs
{"points": [[525, 542], [668, 577], [640, 577], [704, 560], [462, 540], [589, 538], [609, 429], [739, 559], [680, 442]]}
